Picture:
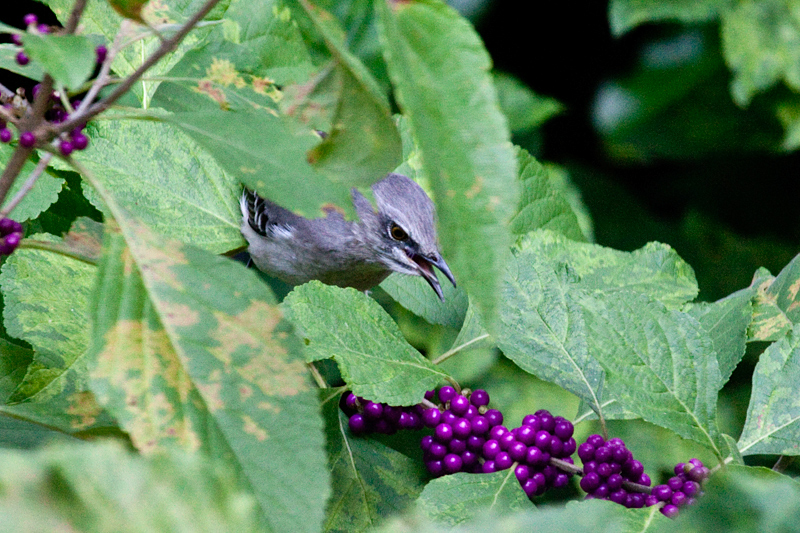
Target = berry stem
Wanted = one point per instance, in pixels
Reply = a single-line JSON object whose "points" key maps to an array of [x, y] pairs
{"points": [[782, 463], [28, 185], [75, 16], [565, 466], [429, 404], [636, 487], [452, 351]]}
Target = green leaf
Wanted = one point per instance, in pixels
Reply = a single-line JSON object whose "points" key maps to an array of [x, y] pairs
{"points": [[8, 61], [230, 340], [131, 9], [460, 497], [523, 108], [14, 361], [474, 349], [415, 295], [542, 205], [350, 327], [46, 304], [741, 498], [69, 59], [542, 328], [726, 322], [731, 449], [655, 269], [440, 72], [102, 487], [167, 181], [364, 143], [268, 154], [761, 45], [370, 480], [625, 15], [83, 242], [769, 322], [658, 363], [773, 416], [43, 194]]}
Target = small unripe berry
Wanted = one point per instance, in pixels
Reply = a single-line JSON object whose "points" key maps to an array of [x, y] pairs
{"points": [[30, 19], [22, 59], [27, 139]]}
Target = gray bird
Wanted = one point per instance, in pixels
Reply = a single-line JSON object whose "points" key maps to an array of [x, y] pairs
{"points": [[399, 237]]}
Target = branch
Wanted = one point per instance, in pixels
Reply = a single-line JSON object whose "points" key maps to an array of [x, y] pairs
{"points": [[166, 47]]}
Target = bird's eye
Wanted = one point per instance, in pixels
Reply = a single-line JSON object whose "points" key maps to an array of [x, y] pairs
{"points": [[397, 233]]}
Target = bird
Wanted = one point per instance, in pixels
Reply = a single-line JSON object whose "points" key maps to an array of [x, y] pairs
{"points": [[399, 237]]}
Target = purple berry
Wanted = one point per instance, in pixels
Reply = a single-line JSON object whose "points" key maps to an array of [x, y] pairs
{"points": [[698, 473], [595, 440], [522, 473], [446, 394], [670, 511], [530, 487], [502, 461], [542, 440], [526, 435], [449, 418], [489, 467], [650, 500], [563, 429], [675, 483], [497, 432], [16, 39], [518, 451], [472, 412], [678, 499], [479, 398], [457, 446], [662, 492], [436, 468], [409, 421], [443, 433], [590, 482], [507, 440], [65, 147], [494, 417], [102, 53], [432, 417], [30, 19], [644, 479], [491, 448], [373, 410], [437, 450], [619, 454], [43, 28], [452, 463], [6, 135], [430, 395], [569, 448], [27, 139], [604, 470], [614, 482], [602, 454], [632, 470], [459, 405], [462, 428], [555, 446], [586, 452], [22, 59], [357, 424], [480, 426], [547, 420], [601, 492], [618, 496], [635, 500], [425, 443], [695, 462], [475, 443], [690, 488]]}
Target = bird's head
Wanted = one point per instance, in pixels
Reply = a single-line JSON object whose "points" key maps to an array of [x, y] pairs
{"points": [[403, 231]]}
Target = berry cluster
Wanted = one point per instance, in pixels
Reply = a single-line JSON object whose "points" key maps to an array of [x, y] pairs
{"points": [[540, 438], [371, 417], [606, 468], [469, 437], [460, 431], [58, 110], [10, 235], [680, 490]]}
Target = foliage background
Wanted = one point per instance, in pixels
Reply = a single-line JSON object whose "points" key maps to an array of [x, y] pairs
{"points": [[713, 177]]}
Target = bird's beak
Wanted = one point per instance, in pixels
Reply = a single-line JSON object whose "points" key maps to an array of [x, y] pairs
{"points": [[424, 266]]}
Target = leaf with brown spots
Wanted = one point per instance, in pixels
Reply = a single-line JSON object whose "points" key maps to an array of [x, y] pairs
{"points": [[776, 307]]}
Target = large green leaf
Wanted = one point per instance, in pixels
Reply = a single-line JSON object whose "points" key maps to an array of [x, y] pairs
{"points": [[222, 329], [460, 497], [659, 363], [542, 205], [8, 61], [655, 269], [761, 45], [523, 108], [103, 488], [350, 327], [773, 416], [440, 72], [163, 178], [627, 14], [726, 321], [370, 480], [542, 328]]}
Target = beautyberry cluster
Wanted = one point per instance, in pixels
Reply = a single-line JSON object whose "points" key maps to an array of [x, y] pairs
{"points": [[606, 468], [540, 438], [680, 490], [371, 417], [10, 235], [460, 431]]}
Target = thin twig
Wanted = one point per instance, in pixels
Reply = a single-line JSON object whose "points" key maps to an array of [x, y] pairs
{"points": [[452, 351], [166, 47], [783, 463], [5, 92], [75, 16], [28, 185]]}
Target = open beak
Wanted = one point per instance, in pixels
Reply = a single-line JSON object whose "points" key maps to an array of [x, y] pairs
{"points": [[425, 267]]}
